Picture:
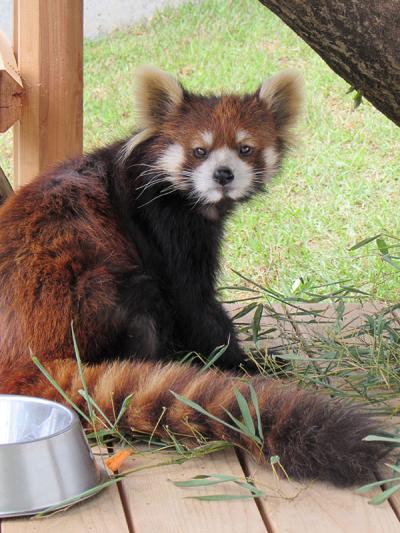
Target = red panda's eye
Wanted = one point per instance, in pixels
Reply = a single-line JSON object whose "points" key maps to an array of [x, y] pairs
{"points": [[245, 150], [200, 152]]}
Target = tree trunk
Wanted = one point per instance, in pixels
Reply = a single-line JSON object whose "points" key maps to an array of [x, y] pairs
{"points": [[5, 187], [358, 39]]}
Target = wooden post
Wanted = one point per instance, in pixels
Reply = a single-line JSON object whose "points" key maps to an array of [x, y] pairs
{"points": [[48, 44]]}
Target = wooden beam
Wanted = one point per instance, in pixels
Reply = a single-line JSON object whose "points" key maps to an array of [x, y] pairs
{"points": [[48, 42], [10, 86]]}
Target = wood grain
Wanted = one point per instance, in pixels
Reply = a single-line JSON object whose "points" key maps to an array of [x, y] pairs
{"points": [[48, 40], [291, 506], [386, 473], [156, 505], [10, 86], [102, 513]]}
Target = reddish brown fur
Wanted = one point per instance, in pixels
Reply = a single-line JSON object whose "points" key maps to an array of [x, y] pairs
{"points": [[300, 428], [49, 256], [62, 251], [223, 118], [314, 437]]}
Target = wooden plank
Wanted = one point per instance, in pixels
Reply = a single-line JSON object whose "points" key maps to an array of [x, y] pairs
{"points": [[395, 503], [289, 325], [386, 473], [49, 48], [103, 512], [10, 86], [291, 506], [156, 505]]}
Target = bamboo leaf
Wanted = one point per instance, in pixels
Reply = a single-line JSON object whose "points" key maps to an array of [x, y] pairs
{"points": [[249, 486], [256, 322], [243, 428], [357, 99], [82, 496], [388, 260], [382, 246], [205, 480], [125, 405], [395, 468], [200, 409], [385, 495], [245, 411], [90, 401], [80, 369], [222, 497], [50, 378], [364, 242], [378, 438], [245, 311], [214, 356], [367, 488], [254, 399]]}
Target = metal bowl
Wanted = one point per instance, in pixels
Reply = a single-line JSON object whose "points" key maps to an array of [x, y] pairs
{"points": [[44, 456]]}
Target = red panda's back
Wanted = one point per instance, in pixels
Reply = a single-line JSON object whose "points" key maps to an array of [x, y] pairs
{"points": [[59, 247]]}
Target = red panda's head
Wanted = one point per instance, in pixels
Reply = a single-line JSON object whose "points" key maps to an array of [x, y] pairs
{"points": [[216, 148]]}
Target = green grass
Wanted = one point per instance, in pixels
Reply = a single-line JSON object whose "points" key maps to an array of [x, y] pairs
{"points": [[340, 186]]}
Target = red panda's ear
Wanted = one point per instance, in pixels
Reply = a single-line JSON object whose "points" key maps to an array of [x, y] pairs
{"points": [[157, 93], [283, 94]]}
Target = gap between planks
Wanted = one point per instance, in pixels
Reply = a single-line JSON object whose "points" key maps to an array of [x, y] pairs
{"points": [[386, 472], [156, 504], [128, 508], [103, 513], [151, 503], [306, 508]]}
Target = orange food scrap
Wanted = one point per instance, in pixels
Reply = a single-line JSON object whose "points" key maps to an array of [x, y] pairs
{"points": [[115, 462]]}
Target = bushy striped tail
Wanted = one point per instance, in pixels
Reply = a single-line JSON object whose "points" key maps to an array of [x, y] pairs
{"points": [[314, 436]]}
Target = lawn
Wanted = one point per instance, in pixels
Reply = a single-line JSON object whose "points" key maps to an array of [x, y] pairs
{"points": [[339, 186]]}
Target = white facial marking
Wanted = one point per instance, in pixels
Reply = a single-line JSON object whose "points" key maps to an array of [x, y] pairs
{"points": [[172, 159], [207, 137], [209, 190], [171, 162], [241, 135], [271, 158]]}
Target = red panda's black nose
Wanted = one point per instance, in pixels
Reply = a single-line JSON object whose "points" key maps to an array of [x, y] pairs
{"points": [[223, 175]]}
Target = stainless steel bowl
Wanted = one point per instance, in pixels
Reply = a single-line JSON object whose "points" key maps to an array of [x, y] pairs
{"points": [[44, 456]]}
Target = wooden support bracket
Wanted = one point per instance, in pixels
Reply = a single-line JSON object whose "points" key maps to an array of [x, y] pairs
{"points": [[11, 88]]}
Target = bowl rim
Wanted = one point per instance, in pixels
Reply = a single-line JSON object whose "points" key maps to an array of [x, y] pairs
{"points": [[74, 419]]}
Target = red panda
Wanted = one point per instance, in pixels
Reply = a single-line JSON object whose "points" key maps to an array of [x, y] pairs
{"points": [[125, 242]]}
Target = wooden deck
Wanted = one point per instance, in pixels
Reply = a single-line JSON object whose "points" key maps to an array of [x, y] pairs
{"points": [[147, 502]]}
